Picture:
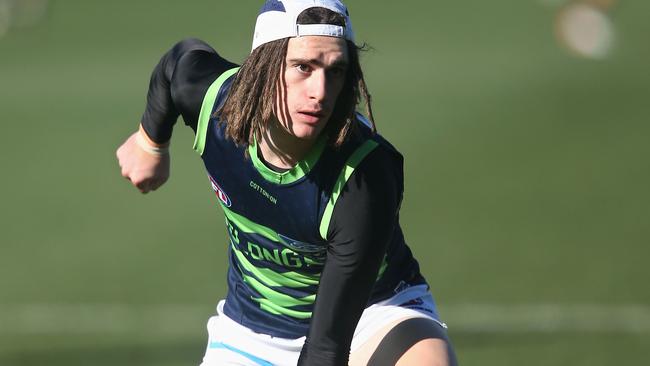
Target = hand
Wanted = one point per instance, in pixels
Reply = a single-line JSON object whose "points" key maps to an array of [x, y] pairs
{"points": [[145, 169]]}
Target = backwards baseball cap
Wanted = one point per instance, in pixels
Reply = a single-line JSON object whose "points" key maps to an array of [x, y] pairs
{"points": [[278, 19]]}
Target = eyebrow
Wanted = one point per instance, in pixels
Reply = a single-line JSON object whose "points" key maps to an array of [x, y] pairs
{"points": [[313, 61]]}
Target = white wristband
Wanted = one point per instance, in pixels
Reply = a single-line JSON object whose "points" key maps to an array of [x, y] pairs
{"points": [[153, 150]]}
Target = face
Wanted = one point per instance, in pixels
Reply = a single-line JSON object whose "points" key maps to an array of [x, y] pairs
{"points": [[314, 74]]}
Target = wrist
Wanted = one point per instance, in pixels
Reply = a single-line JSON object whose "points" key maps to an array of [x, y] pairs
{"points": [[149, 146]]}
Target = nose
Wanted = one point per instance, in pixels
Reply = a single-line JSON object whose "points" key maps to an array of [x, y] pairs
{"points": [[317, 88]]}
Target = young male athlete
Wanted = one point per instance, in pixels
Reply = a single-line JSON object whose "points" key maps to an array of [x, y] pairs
{"points": [[319, 271]]}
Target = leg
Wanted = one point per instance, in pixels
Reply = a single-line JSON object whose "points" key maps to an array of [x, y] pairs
{"points": [[361, 355], [431, 351], [405, 342]]}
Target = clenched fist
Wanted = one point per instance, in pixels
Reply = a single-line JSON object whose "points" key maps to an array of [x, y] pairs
{"points": [[143, 162]]}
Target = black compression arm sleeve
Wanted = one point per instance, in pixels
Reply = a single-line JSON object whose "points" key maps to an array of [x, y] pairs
{"points": [[178, 84], [362, 225]]}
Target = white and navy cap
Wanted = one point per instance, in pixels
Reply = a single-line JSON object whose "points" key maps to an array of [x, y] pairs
{"points": [[278, 19]]}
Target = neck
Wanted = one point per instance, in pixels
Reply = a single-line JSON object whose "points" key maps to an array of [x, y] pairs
{"points": [[281, 149]]}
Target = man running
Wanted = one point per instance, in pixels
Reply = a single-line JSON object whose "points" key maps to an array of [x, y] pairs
{"points": [[319, 271]]}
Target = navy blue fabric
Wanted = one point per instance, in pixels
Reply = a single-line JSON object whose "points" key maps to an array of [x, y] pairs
{"points": [[295, 215], [272, 5]]}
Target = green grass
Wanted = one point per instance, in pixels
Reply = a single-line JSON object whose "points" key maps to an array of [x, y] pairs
{"points": [[526, 173]]}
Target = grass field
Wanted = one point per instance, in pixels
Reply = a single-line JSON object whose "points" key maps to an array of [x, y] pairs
{"points": [[526, 199]]}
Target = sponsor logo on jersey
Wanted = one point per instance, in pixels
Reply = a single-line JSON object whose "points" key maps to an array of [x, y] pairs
{"points": [[311, 255], [314, 251], [263, 192], [223, 197], [300, 246]]}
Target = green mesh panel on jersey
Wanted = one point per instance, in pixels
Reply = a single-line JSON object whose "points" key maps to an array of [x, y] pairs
{"points": [[300, 170], [206, 110], [263, 280], [271, 278], [248, 226], [352, 163], [268, 306], [266, 281]]}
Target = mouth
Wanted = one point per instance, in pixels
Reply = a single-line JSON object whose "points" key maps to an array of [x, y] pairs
{"points": [[315, 112], [312, 115]]}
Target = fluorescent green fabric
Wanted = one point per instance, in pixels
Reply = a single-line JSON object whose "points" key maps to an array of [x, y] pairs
{"points": [[300, 170], [206, 110], [352, 163], [272, 278]]}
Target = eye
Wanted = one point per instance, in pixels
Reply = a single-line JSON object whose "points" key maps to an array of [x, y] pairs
{"points": [[303, 68]]}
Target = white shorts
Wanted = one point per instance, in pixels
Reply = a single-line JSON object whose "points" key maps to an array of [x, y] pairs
{"points": [[230, 343]]}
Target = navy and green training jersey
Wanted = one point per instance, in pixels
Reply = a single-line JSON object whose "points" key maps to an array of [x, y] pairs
{"points": [[309, 248]]}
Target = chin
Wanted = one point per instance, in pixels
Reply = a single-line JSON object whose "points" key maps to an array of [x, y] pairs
{"points": [[307, 135], [307, 132]]}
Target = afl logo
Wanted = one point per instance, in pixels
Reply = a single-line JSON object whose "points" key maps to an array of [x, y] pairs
{"points": [[223, 197]]}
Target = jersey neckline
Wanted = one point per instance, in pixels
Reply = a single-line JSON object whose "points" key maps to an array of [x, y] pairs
{"points": [[301, 169]]}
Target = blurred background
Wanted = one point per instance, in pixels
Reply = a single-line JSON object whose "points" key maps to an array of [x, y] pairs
{"points": [[524, 125]]}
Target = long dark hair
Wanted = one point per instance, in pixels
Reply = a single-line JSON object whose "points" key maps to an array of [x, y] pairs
{"points": [[251, 98]]}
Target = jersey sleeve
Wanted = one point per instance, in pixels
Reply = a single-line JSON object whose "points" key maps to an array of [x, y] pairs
{"points": [[177, 86], [363, 222]]}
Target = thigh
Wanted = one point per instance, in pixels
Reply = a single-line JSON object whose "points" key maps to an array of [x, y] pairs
{"points": [[361, 355], [404, 342], [406, 325], [431, 352]]}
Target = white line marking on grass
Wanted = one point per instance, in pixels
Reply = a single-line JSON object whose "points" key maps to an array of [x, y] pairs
{"points": [[101, 318], [547, 318], [44, 319]]}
